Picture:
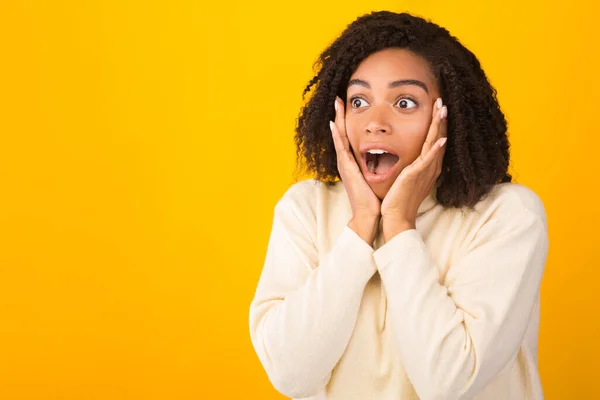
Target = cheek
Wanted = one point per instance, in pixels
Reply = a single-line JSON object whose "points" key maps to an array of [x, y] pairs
{"points": [[413, 135], [416, 128]]}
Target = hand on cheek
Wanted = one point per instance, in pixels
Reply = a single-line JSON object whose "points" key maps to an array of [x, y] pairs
{"points": [[365, 204], [400, 206]]}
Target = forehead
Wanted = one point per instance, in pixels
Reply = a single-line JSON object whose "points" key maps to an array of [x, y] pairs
{"points": [[392, 64]]}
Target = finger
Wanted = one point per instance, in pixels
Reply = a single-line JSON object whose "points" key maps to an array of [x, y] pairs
{"points": [[443, 134], [431, 134], [345, 158], [340, 124], [438, 113], [435, 154], [337, 141], [443, 125], [340, 121]]}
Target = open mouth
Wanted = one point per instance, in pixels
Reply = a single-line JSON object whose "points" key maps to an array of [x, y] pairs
{"points": [[379, 162]]}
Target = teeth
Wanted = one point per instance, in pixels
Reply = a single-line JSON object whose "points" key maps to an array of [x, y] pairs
{"points": [[376, 151]]}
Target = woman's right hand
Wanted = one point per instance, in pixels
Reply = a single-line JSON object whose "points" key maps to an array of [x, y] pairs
{"points": [[366, 207]]}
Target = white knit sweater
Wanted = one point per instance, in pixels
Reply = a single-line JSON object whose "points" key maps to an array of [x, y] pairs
{"points": [[447, 311]]}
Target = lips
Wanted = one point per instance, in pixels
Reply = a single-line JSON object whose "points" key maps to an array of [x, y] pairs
{"points": [[382, 166]]}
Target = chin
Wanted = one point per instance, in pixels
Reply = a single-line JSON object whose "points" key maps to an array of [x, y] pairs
{"points": [[380, 189]]}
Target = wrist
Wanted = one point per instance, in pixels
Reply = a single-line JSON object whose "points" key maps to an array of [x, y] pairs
{"points": [[365, 227], [394, 226]]}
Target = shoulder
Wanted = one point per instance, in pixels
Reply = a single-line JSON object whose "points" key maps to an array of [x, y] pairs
{"points": [[300, 194], [511, 203], [510, 214], [301, 191], [514, 196], [301, 205]]}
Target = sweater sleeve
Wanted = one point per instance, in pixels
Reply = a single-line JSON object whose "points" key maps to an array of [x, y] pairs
{"points": [[454, 338], [303, 314]]}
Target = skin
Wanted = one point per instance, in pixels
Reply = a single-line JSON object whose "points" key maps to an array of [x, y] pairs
{"points": [[410, 119]]}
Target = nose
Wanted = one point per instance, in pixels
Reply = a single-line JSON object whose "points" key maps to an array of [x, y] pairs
{"points": [[378, 122]]}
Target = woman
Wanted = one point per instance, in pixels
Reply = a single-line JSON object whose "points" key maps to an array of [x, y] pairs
{"points": [[417, 275]]}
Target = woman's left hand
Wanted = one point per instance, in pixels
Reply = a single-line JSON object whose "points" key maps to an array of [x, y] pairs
{"points": [[415, 182]]}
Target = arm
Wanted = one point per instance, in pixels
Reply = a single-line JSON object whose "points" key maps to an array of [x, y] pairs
{"points": [[455, 338], [303, 314]]}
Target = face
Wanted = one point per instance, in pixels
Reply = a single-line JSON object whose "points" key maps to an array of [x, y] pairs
{"points": [[389, 107]]}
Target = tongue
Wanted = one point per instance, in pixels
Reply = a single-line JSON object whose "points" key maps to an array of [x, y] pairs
{"points": [[384, 162]]}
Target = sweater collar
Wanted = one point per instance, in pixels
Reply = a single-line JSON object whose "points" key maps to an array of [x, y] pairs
{"points": [[428, 203]]}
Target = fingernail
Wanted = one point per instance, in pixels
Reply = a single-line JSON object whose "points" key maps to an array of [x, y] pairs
{"points": [[444, 112], [331, 126], [443, 141], [335, 104], [438, 103]]}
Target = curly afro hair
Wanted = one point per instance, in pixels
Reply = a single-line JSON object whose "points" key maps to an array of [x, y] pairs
{"points": [[477, 150]]}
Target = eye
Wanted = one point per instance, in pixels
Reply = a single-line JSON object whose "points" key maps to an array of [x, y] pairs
{"points": [[355, 102], [406, 103]]}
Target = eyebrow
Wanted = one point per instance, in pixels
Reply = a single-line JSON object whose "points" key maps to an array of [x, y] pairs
{"points": [[391, 85]]}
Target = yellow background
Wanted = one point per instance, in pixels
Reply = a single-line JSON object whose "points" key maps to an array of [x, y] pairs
{"points": [[145, 143]]}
